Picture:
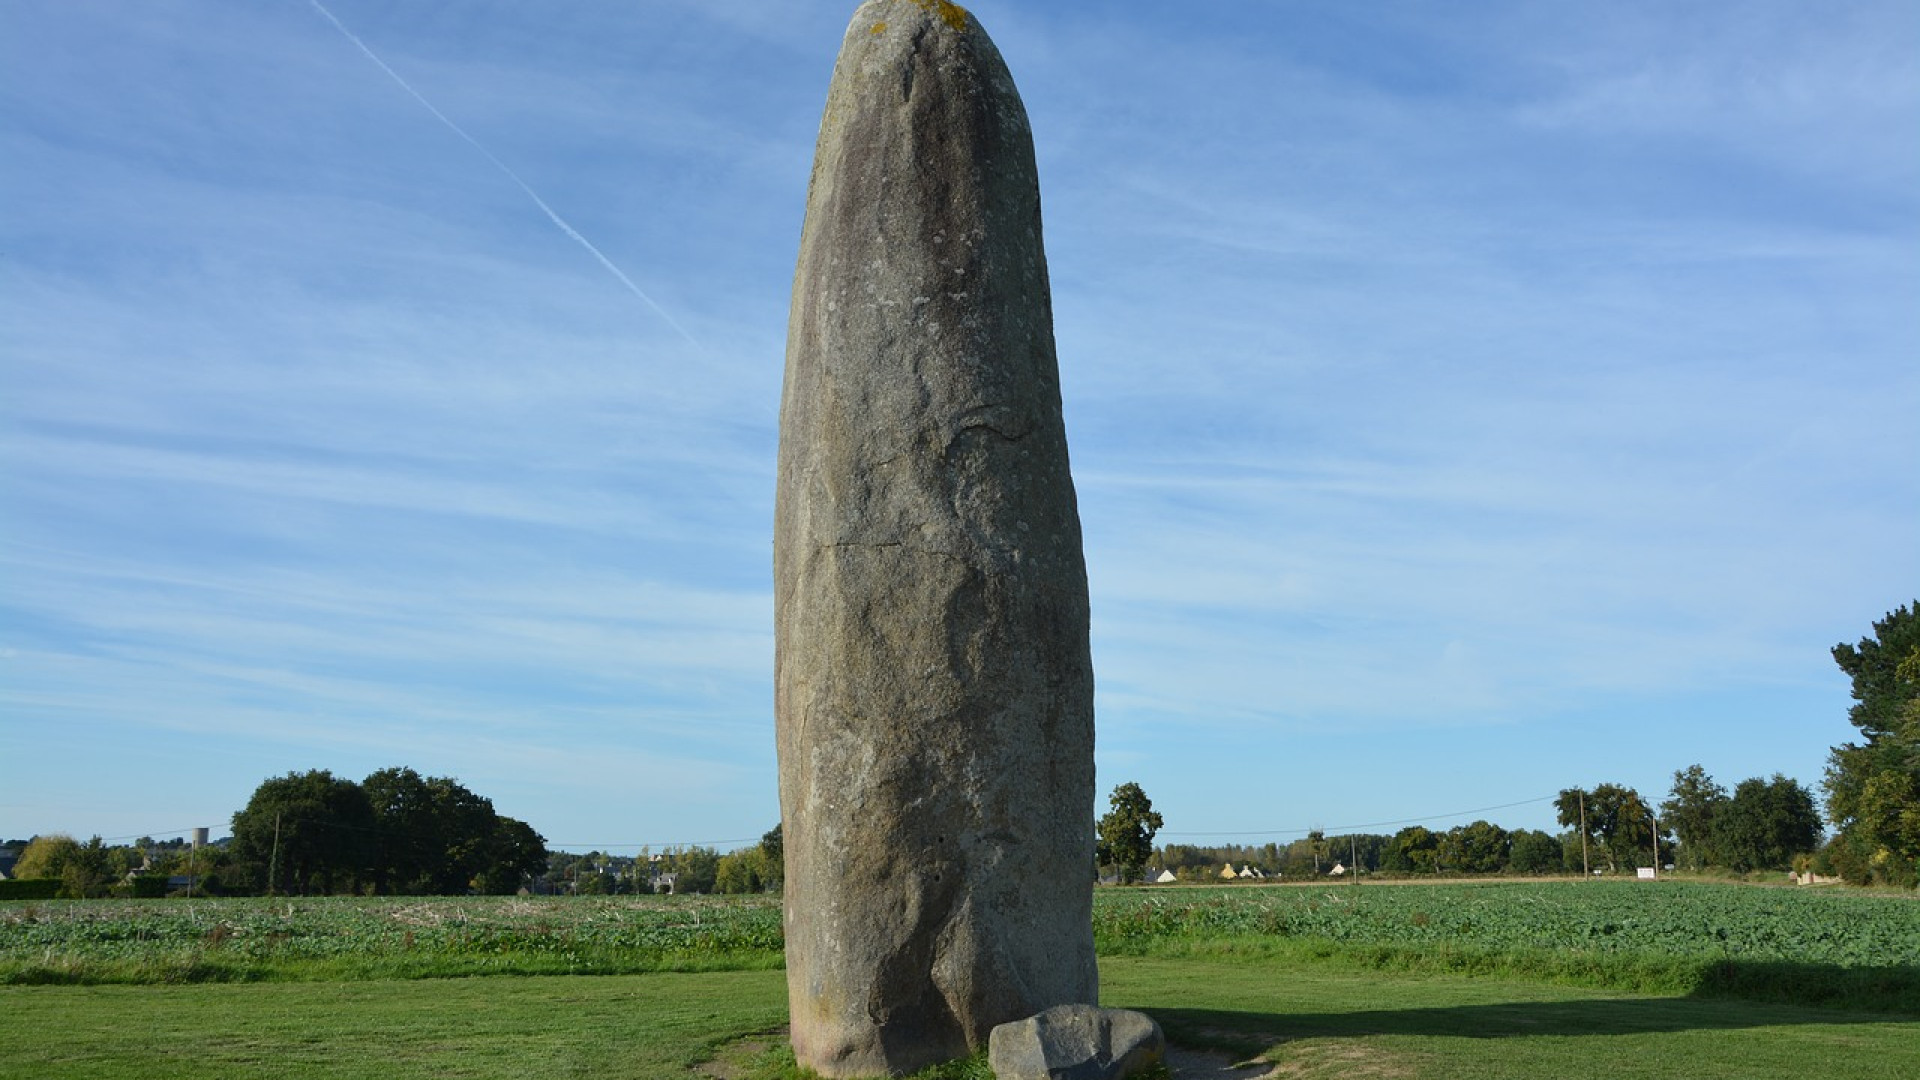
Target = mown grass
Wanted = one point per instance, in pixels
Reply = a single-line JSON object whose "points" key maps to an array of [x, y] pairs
{"points": [[1317, 1022], [1309, 1022], [623, 1026], [1875, 989]]}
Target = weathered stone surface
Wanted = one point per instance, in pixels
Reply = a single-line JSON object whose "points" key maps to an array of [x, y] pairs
{"points": [[934, 689], [1076, 1042]]}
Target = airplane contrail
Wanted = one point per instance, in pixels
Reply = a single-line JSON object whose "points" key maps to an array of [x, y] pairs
{"points": [[511, 175]]}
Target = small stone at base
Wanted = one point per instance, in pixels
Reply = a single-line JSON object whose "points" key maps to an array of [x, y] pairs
{"points": [[1076, 1042]]}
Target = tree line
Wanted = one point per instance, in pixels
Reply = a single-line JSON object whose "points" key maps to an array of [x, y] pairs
{"points": [[1872, 788], [1763, 824], [69, 868], [394, 833], [679, 869], [1873, 784], [398, 832]]}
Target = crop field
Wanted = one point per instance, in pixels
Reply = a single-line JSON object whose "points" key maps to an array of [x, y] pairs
{"points": [[1496, 980], [1825, 947], [348, 937], [1808, 946], [1678, 919]]}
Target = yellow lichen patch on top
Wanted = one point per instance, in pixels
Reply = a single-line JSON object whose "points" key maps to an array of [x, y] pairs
{"points": [[952, 14], [878, 28]]}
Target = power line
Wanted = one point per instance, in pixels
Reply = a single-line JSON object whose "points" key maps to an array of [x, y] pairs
{"points": [[152, 834], [574, 846]]}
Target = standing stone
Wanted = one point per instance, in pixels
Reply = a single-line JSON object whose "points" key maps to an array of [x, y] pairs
{"points": [[933, 684]]}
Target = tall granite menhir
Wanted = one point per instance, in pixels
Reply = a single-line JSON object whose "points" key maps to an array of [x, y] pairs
{"points": [[934, 689]]}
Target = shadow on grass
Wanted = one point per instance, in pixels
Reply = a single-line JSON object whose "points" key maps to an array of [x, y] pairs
{"points": [[1894, 989], [1246, 1032]]}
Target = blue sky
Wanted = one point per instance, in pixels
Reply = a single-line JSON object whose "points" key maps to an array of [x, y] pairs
{"points": [[1465, 402]]}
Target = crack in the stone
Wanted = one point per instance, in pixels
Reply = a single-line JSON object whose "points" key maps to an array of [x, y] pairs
{"points": [[982, 425], [883, 545]]}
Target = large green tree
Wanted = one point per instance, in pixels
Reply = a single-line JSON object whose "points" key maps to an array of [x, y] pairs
{"points": [[432, 836], [46, 856], [1873, 785], [1414, 849], [395, 832], [1532, 851], [761, 868], [1479, 848], [308, 832], [512, 855], [1356, 852], [1619, 823], [1690, 811], [83, 870], [1765, 824], [695, 869], [742, 871], [1317, 843], [1126, 831], [773, 859]]}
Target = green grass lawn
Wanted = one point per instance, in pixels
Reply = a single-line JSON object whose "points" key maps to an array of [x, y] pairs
{"points": [[1312, 1021], [1521, 980], [1319, 1023], [549, 1026]]}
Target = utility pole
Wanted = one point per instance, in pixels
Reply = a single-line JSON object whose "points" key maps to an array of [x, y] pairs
{"points": [[273, 861], [1586, 870], [1655, 818]]}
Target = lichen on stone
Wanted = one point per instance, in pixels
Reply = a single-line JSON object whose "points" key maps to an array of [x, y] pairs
{"points": [[952, 14]]}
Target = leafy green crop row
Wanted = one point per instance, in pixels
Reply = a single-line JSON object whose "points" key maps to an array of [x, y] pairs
{"points": [[1580, 926], [1669, 919], [169, 940]]}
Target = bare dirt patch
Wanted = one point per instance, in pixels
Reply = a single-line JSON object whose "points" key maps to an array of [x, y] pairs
{"points": [[740, 1057], [743, 1057], [1184, 1064], [1341, 1059]]}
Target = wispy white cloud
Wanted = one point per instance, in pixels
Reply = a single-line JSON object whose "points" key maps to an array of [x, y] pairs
{"points": [[545, 208], [1438, 383]]}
